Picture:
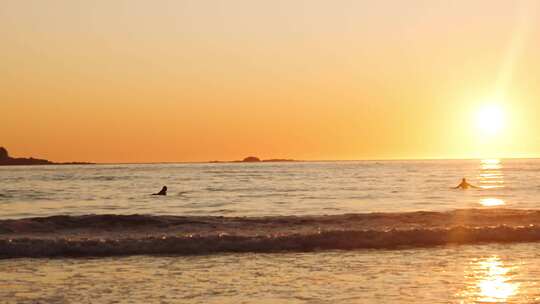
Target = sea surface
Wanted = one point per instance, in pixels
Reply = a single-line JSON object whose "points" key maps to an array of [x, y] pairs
{"points": [[261, 189], [323, 206], [455, 274]]}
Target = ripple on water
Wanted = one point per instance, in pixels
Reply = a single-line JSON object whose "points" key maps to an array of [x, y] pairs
{"points": [[469, 274]]}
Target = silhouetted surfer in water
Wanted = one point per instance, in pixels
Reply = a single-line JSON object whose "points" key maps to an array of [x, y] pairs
{"points": [[162, 192], [464, 185]]}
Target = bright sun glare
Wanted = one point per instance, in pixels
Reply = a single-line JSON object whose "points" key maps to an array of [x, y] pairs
{"points": [[490, 119]]}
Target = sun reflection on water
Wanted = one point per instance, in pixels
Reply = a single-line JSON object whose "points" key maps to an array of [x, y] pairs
{"points": [[491, 177], [495, 285], [491, 164], [492, 282], [491, 201]]}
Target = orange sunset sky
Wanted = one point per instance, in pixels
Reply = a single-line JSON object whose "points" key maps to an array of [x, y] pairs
{"points": [[150, 81]]}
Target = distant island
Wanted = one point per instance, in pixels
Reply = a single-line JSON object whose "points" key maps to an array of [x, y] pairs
{"points": [[251, 159], [6, 160], [254, 159]]}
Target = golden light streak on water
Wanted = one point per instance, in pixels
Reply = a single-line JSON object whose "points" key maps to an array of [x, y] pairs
{"points": [[489, 202], [494, 282], [489, 280], [490, 164], [491, 174]]}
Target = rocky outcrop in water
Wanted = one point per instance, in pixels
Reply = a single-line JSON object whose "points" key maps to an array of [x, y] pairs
{"points": [[251, 159], [3, 153], [254, 159], [6, 160]]}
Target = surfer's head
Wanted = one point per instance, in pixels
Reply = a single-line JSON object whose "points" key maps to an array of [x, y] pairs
{"points": [[163, 191]]}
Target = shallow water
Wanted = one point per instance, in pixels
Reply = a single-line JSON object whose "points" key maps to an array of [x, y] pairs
{"points": [[249, 189], [479, 273], [455, 274], [120, 235]]}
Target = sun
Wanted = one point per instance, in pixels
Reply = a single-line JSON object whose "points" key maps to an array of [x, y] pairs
{"points": [[490, 119]]}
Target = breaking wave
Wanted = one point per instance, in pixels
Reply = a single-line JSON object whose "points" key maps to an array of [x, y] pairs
{"points": [[111, 235]]}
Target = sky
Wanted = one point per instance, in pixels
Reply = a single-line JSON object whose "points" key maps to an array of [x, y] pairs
{"points": [[166, 81]]}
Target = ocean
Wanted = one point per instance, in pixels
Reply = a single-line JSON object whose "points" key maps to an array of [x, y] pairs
{"points": [[262, 189], [284, 232]]}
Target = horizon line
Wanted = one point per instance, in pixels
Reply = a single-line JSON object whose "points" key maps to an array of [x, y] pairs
{"points": [[312, 160]]}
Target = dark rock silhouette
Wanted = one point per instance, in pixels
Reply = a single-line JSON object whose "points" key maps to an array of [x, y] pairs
{"points": [[6, 160], [254, 159], [251, 159], [3, 153]]}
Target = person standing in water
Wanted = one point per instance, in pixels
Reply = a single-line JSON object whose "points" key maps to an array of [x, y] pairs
{"points": [[464, 185], [162, 192]]}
